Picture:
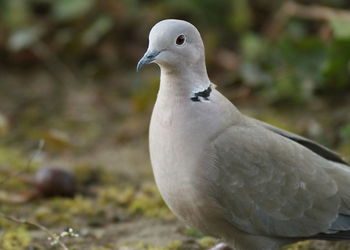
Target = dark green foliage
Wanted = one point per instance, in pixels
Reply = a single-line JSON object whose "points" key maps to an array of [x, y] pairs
{"points": [[298, 64]]}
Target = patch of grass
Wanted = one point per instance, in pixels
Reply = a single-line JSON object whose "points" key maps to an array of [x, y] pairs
{"points": [[12, 163], [12, 157], [148, 202], [302, 245], [206, 242], [189, 231], [102, 248], [60, 211], [5, 223], [116, 196], [17, 238], [174, 245], [144, 201]]}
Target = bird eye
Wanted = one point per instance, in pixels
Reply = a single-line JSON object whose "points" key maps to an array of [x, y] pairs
{"points": [[180, 40]]}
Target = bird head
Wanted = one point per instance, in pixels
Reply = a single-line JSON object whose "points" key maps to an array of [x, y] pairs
{"points": [[173, 45]]}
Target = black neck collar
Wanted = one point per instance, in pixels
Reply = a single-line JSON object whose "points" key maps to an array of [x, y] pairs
{"points": [[205, 94]]}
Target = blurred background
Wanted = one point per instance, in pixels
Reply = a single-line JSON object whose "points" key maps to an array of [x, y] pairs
{"points": [[67, 77]]}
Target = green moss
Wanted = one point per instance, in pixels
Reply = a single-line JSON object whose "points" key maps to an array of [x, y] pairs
{"points": [[145, 201], [206, 242], [12, 184], [12, 157], [149, 203], [174, 245], [65, 210], [117, 196], [15, 239], [5, 223], [46, 216], [102, 248], [302, 245], [76, 206], [12, 161], [88, 174], [189, 231]]}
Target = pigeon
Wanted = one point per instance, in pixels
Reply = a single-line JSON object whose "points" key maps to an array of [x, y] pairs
{"points": [[255, 186]]}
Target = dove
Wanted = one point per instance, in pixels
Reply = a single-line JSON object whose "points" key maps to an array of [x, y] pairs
{"points": [[253, 185]]}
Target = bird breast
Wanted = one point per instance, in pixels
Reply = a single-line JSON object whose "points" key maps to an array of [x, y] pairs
{"points": [[176, 161]]}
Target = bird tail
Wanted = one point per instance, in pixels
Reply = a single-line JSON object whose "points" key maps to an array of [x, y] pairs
{"points": [[341, 235]]}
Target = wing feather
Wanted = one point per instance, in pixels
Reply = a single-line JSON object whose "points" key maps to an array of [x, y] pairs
{"points": [[313, 146], [273, 186]]}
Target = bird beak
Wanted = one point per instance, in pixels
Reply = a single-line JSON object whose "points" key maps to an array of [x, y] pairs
{"points": [[147, 58]]}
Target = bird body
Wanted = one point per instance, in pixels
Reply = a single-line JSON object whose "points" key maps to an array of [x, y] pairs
{"points": [[231, 176]]}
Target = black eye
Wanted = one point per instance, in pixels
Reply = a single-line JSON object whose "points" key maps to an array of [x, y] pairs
{"points": [[180, 40]]}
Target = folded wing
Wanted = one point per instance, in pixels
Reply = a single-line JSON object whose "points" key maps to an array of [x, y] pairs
{"points": [[311, 145], [271, 185]]}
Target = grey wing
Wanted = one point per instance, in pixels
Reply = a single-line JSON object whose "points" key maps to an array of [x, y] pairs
{"points": [[269, 185], [313, 146]]}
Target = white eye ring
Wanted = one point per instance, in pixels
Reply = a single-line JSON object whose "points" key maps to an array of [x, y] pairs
{"points": [[180, 40]]}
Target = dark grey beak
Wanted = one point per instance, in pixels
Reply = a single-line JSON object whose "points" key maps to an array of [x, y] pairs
{"points": [[148, 58]]}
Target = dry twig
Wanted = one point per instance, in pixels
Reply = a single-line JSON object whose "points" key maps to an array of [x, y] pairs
{"points": [[34, 224]]}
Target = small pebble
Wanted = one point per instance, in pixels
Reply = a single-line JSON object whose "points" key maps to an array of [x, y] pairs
{"points": [[55, 181]]}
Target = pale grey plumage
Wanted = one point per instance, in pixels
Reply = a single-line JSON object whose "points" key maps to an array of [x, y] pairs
{"points": [[231, 176]]}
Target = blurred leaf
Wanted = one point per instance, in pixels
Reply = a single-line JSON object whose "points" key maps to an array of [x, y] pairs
{"points": [[296, 65], [4, 125], [66, 10], [345, 132], [253, 51], [98, 29], [240, 17], [253, 46], [295, 29], [143, 96], [341, 28], [252, 75], [14, 13], [336, 68], [344, 150], [288, 88], [56, 140], [24, 38]]}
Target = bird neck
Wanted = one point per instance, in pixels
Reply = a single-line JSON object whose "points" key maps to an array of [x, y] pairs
{"points": [[183, 82]]}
